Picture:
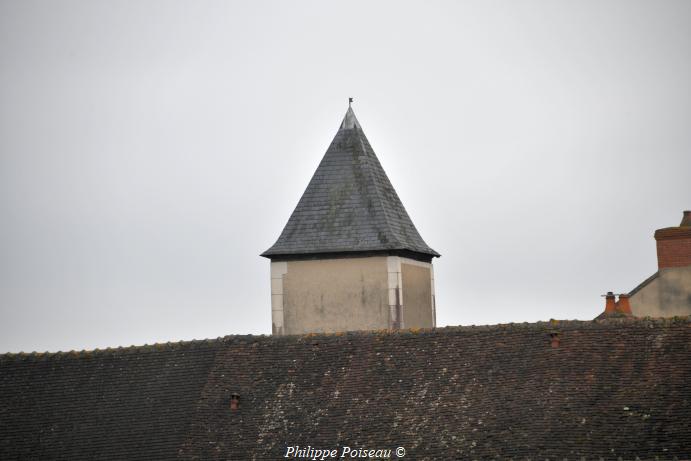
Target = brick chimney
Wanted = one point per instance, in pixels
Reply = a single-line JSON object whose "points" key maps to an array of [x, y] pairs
{"points": [[674, 244]]}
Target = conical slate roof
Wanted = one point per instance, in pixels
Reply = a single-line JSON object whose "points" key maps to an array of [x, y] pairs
{"points": [[349, 205]]}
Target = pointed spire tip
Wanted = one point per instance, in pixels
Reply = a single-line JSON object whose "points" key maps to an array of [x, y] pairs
{"points": [[349, 121]]}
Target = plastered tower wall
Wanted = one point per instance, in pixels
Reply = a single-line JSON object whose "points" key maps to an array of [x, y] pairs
{"points": [[349, 294], [418, 284]]}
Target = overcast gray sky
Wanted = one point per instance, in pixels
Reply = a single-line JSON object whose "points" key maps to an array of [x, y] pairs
{"points": [[150, 150]]}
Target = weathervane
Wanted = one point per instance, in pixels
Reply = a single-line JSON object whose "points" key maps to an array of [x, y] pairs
{"points": [[350, 101]]}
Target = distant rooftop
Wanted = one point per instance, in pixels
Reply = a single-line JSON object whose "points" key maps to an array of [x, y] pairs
{"points": [[349, 206]]}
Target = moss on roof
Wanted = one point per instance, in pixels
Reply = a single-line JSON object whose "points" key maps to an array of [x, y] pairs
{"points": [[349, 205], [611, 388]]}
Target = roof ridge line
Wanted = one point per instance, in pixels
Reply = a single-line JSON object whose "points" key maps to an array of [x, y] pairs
{"points": [[376, 189], [571, 324], [168, 345], [644, 283]]}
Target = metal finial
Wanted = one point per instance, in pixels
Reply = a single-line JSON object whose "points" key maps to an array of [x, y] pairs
{"points": [[350, 101]]}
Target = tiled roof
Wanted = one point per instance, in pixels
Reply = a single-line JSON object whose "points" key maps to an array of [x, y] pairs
{"points": [[118, 404], [560, 390], [349, 205]]}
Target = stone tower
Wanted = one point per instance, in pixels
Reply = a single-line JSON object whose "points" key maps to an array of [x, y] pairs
{"points": [[349, 257]]}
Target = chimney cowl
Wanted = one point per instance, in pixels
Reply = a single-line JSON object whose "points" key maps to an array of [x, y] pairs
{"points": [[686, 219], [234, 401], [616, 308], [674, 244], [554, 339], [610, 305], [623, 305]]}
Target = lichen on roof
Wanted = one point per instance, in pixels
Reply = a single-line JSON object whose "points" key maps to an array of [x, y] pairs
{"points": [[608, 389], [349, 205]]}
